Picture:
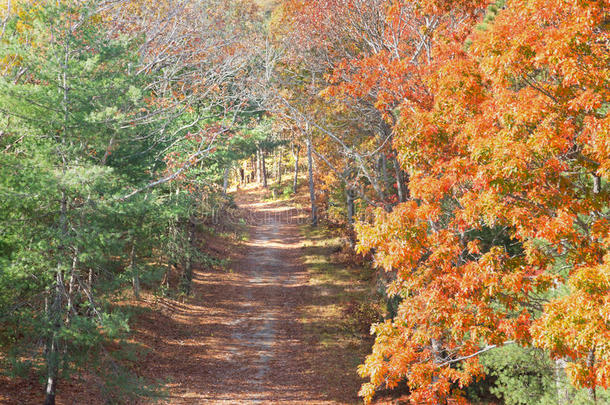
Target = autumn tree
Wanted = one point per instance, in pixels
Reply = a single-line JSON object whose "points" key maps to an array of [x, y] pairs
{"points": [[505, 241]]}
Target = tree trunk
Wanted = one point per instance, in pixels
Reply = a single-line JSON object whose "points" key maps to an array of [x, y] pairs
{"points": [[258, 166], [225, 181], [597, 184], [50, 391], [401, 187], [135, 275], [296, 169], [264, 167], [55, 315], [350, 205], [312, 190], [70, 297], [384, 171], [590, 364], [564, 396], [279, 166], [436, 347], [381, 180], [52, 347], [187, 276], [167, 275], [253, 170]]}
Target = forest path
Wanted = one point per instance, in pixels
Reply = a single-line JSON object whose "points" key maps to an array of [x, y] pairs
{"points": [[238, 340]]}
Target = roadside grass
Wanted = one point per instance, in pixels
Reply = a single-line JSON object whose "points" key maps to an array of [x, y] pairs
{"points": [[338, 317], [284, 192]]}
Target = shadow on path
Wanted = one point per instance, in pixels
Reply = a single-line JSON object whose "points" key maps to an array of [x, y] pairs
{"points": [[238, 339]]}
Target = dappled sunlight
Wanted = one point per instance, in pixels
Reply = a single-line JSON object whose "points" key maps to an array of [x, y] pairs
{"points": [[238, 339]]}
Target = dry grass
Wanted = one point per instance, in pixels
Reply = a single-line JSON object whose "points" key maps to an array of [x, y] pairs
{"points": [[338, 317]]}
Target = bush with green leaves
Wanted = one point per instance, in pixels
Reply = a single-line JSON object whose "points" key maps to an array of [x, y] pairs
{"points": [[527, 376]]}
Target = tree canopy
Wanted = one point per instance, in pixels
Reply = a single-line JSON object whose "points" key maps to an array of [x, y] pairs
{"points": [[464, 145]]}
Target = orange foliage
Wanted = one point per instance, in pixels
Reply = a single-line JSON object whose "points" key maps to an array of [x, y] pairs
{"points": [[512, 135]]}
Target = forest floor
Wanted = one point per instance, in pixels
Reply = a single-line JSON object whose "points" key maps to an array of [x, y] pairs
{"points": [[283, 323]]}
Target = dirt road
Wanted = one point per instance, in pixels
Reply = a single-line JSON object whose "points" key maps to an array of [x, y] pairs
{"points": [[238, 340]]}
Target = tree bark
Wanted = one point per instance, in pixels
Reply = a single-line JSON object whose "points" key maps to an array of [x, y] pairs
{"points": [[312, 190], [384, 171], [135, 276], [55, 317], [52, 347], [187, 276], [253, 170], [264, 167], [564, 396], [166, 276], [70, 295], [350, 205], [225, 181], [279, 166], [50, 391], [436, 347], [296, 169], [401, 187], [597, 184], [258, 166], [380, 186], [590, 363]]}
